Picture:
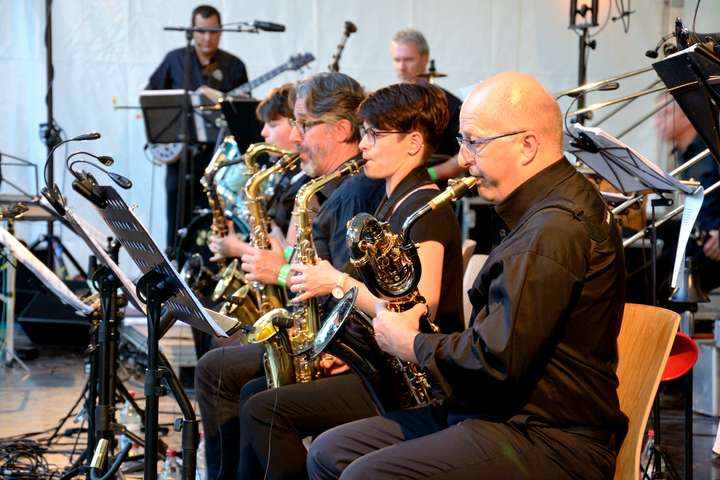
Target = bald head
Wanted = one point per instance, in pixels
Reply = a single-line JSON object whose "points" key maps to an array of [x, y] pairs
{"points": [[514, 100], [517, 104]]}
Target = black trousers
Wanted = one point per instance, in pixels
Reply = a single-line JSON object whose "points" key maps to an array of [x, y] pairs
{"points": [[222, 379], [422, 443], [274, 423]]}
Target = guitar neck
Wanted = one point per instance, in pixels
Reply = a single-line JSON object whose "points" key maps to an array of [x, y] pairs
{"points": [[249, 86]]}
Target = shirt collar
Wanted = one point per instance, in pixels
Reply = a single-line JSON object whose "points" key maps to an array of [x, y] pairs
{"points": [[533, 190]]}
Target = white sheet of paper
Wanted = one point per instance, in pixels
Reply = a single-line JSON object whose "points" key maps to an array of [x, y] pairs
{"points": [[90, 235], [47, 276], [690, 213]]}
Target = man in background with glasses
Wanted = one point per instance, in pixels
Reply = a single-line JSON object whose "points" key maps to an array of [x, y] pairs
{"points": [[325, 130], [530, 386]]}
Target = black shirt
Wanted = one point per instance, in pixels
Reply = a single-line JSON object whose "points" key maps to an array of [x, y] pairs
{"points": [[439, 225], [340, 201], [448, 143], [283, 198], [224, 72], [548, 305]]}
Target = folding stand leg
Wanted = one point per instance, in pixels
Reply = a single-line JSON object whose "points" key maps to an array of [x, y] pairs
{"points": [[154, 289]]}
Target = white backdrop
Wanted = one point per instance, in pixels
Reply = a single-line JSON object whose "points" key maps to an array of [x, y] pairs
{"points": [[106, 49]]}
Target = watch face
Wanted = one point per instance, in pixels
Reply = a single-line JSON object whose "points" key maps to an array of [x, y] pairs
{"points": [[337, 292]]}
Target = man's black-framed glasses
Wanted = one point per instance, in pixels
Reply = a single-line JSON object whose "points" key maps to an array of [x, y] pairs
{"points": [[372, 133], [474, 146], [304, 126]]}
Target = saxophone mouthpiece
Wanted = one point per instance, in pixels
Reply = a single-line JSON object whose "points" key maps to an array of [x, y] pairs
{"points": [[455, 190]]}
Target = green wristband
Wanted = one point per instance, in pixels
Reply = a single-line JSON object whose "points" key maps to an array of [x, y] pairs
{"points": [[433, 174], [287, 252], [283, 275]]}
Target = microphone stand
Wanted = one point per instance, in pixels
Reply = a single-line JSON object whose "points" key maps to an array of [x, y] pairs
{"points": [[187, 160], [350, 28]]}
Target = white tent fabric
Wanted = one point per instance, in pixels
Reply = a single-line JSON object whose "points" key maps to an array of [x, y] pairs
{"points": [[104, 50]]}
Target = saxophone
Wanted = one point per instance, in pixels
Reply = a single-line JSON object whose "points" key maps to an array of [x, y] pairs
{"points": [[288, 336], [194, 271], [390, 268], [246, 301]]}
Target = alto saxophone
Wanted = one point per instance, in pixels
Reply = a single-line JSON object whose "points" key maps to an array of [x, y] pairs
{"points": [[288, 336], [390, 268], [246, 301], [197, 275]]}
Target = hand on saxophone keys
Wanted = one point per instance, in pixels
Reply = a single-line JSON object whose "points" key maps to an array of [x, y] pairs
{"points": [[229, 246], [395, 331], [263, 265], [312, 280]]}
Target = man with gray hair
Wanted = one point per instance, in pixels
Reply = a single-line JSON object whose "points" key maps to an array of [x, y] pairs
{"points": [[326, 131], [410, 56]]}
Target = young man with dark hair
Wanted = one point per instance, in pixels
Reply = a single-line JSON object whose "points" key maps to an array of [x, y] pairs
{"points": [[401, 127], [210, 66]]}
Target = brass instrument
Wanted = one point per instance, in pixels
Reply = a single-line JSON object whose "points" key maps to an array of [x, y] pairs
{"points": [[390, 268], [288, 336], [194, 271], [244, 301]]}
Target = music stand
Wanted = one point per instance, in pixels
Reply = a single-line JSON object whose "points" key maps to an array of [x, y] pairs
{"points": [[18, 251], [160, 286], [162, 113], [692, 77], [242, 121]]}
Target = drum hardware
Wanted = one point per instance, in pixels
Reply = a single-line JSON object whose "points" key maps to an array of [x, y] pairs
{"points": [[432, 73]]}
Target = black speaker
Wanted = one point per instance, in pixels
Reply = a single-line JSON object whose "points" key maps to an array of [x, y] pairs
{"points": [[44, 318]]}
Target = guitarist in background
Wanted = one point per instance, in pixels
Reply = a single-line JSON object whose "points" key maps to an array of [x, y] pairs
{"points": [[212, 67]]}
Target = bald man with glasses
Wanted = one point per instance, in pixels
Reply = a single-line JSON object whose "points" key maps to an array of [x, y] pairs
{"points": [[530, 387]]}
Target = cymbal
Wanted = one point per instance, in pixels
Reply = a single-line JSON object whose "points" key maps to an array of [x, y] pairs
{"points": [[431, 75]]}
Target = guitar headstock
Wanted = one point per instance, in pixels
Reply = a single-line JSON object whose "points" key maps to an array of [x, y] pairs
{"points": [[298, 61]]}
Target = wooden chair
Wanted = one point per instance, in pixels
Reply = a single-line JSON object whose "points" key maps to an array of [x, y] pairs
{"points": [[468, 248], [644, 343], [474, 265]]}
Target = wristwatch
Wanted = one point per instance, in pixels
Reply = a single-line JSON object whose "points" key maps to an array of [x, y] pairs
{"points": [[337, 290]]}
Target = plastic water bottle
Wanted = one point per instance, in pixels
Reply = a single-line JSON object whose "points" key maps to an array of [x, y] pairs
{"points": [[133, 423], [201, 463], [171, 470]]}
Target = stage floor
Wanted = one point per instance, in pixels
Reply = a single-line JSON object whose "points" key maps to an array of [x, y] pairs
{"points": [[37, 399]]}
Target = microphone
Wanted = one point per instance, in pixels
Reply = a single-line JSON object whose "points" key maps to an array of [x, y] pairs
{"points": [[350, 27], [654, 52], [85, 136], [52, 192], [605, 87], [268, 26], [119, 180]]}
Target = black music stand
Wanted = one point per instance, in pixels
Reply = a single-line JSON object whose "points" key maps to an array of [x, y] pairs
{"points": [[692, 77], [241, 121], [162, 113], [160, 287]]}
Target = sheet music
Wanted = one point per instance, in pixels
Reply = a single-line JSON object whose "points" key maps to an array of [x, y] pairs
{"points": [[49, 279], [138, 243], [607, 141], [84, 229], [693, 203]]}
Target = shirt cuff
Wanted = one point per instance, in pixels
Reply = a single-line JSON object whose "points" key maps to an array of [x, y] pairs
{"points": [[424, 346]]}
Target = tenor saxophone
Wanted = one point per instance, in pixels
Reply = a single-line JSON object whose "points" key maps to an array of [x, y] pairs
{"points": [[246, 301], [288, 335], [390, 268]]}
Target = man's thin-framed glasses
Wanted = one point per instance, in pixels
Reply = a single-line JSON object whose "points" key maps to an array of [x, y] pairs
{"points": [[304, 126], [372, 133], [474, 146]]}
